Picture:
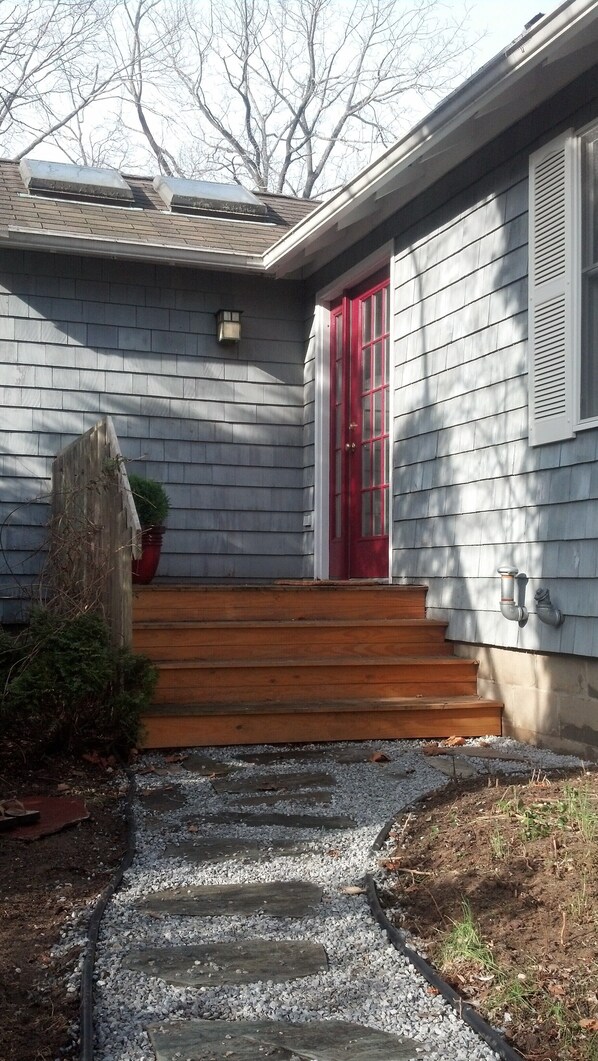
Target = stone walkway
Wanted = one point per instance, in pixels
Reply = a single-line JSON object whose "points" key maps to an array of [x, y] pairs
{"points": [[241, 932]]}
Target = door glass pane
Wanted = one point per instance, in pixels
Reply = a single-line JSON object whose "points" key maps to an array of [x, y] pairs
{"points": [[377, 396], [377, 512], [366, 477], [366, 369], [338, 434], [338, 334], [366, 514], [377, 451], [366, 426], [339, 379], [338, 518], [379, 328], [386, 359], [378, 354], [366, 320]]}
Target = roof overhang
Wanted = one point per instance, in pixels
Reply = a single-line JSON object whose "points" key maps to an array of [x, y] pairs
{"points": [[198, 257], [556, 51]]}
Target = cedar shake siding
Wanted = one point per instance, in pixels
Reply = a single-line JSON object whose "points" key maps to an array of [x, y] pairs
{"points": [[221, 427]]}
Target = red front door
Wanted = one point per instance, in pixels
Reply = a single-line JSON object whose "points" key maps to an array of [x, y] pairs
{"points": [[360, 371]]}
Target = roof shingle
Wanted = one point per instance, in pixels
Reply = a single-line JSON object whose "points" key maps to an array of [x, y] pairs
{"points": [[147, 221]]}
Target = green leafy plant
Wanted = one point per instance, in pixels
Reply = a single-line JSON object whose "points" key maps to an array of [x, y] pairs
{"points": [[66, 687], [151, 501]]}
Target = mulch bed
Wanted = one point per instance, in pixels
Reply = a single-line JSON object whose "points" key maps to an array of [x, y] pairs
{"points": [[44, 883], [496, 882]]}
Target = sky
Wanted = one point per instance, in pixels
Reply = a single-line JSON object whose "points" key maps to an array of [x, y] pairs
{"points": [[503, 20]]}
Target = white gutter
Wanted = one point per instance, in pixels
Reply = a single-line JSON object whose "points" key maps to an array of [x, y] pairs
{"points": [[475, 96], [116, 248]]}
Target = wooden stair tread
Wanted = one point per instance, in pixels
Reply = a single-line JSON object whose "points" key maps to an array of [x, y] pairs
{"points": [[261, 624], [320, 661], [269, 587], [345, 706]]}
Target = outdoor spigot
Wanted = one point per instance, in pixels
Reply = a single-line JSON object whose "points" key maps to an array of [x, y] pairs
{"points": [[545, 609], [515, 612]]}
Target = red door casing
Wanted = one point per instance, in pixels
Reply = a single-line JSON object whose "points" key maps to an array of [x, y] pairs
{"points": [[359, 436]]}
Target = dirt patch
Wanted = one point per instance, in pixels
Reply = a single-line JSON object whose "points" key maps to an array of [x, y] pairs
{"points": [[496, 882], [44, 883]]}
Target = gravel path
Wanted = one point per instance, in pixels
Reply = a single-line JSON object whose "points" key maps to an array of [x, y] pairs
{"points": [[367, 981]]}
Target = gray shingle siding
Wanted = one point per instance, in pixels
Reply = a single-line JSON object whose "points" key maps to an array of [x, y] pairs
{"points": [[469, 492], [223, 428]]}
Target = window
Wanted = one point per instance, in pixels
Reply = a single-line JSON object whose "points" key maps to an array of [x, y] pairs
{"points": [[589, 277], [563, 287]]}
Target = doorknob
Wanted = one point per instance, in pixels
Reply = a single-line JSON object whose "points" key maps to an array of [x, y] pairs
{"points": [[349, 446]]}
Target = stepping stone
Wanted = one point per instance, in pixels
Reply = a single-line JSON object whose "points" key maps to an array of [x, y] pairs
{"points": [[273, 783], [291, 821], [205, 767], [332, 1040], [163, 799], [448, 764], [338, 755], [269, 798], [214, 964], [220, 850], [277, 899]]}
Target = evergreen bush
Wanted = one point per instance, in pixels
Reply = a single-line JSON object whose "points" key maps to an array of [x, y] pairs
{"points": [[66, 687], [151, 501]]}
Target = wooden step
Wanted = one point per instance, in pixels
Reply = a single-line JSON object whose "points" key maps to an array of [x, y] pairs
{"points": [[278, 680], [300, 638], [302, 661], [309, 601], [396, 718]]}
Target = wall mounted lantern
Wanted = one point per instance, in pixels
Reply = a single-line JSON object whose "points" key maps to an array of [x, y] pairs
{"points": [[228, 325]]}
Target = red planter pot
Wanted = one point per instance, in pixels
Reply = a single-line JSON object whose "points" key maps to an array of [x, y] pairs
{"points": [[145, 568]]}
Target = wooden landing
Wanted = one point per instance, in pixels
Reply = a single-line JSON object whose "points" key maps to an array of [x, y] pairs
{"points": [[302, 662]]}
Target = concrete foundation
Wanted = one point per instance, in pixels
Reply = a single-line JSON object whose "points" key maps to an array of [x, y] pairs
{"points": [[551, 701]]}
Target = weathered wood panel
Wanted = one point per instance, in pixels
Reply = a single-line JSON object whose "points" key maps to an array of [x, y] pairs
{"points": [[94, 532]]}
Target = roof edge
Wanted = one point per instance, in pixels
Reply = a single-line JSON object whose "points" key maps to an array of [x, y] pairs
{"points": [[526, 51], [172, 254]]}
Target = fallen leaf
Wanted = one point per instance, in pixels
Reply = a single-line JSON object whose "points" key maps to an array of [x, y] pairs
{"points": [[431, 749], [193, 828], [62, 787], [352, 889], [589, 1023], [176, 757], [379, 757]]}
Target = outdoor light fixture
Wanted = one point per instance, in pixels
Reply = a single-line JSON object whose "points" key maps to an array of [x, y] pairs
{"points": [[228, 325]]}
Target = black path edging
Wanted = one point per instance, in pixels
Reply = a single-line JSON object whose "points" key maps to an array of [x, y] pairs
{"points": [[471, 1017], [93, 928]]}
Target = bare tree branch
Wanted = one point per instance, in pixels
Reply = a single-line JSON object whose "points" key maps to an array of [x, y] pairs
{"points": [[288, 92]]}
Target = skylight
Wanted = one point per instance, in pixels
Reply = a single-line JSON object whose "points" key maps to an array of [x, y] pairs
{"points": [[209, 197], [65, 179]]}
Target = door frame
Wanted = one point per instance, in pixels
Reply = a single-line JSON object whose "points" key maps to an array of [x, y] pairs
{"points": [[383, 258]]}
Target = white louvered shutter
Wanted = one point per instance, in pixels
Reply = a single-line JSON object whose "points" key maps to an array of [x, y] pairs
{"points": [[554, 311]]}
